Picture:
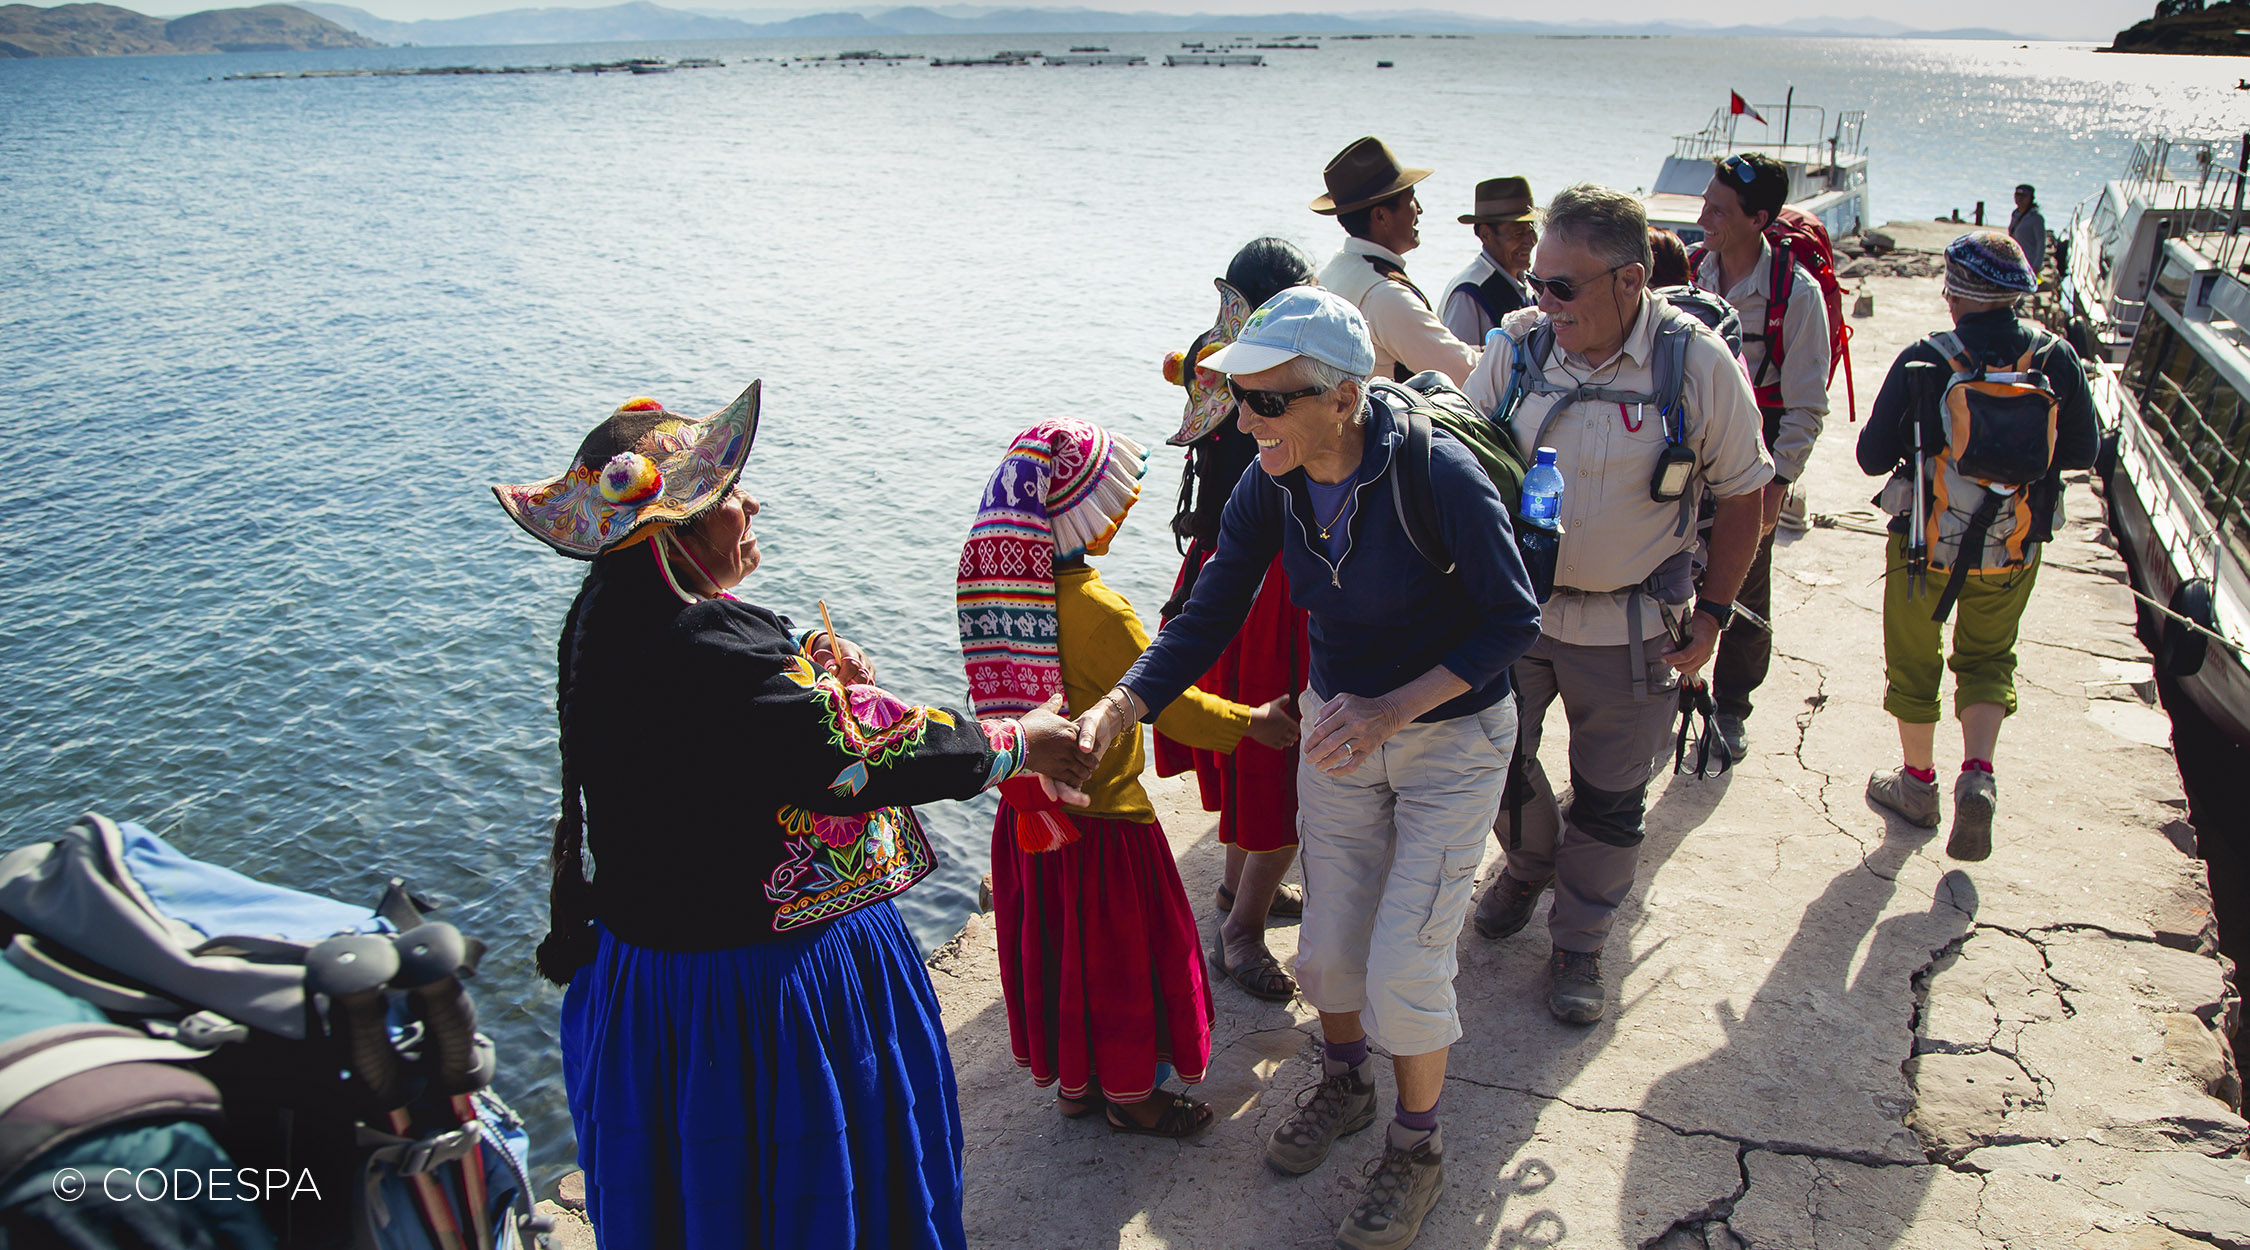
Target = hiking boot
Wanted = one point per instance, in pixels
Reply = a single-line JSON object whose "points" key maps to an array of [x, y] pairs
{"points": [[1343, 1103], [1401, 1189], [1507, 906], [1577, 994], [1733, 734], [1909, 796], [1975, 797]]}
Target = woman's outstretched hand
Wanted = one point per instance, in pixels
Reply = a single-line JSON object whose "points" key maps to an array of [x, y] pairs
{"points": [[1100, 726], [1050, 749], [1273, 724]]}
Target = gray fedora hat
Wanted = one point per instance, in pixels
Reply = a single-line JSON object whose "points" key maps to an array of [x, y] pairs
{"points": [[1502, 199]]}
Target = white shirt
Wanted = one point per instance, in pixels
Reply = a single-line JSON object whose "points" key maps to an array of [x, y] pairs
{"points": [[1405, 329], [1462, 313], [1804, 354]]}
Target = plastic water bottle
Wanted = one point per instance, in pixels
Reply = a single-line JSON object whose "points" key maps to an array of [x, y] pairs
{"points": [[1539, 528]]}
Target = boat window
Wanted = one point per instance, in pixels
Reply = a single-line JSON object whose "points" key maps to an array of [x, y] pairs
{"points": [[2201, 420], [2172, 279]]}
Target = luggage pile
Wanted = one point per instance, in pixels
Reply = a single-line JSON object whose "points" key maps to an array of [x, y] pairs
{"points": [[192, 1057]]}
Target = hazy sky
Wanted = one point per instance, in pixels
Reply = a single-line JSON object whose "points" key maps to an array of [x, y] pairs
{"points": [[2055, 15]]}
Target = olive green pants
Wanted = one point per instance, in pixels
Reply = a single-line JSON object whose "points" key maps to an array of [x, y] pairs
{"points": [[1984, 639]]}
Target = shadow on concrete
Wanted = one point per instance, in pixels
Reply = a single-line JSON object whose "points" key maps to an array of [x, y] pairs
{"points": [[1780, 1056]]}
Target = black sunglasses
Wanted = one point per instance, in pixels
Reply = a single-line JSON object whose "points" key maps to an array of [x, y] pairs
{"points": [[1744, 172], [1269, 404], [1563, 290]]}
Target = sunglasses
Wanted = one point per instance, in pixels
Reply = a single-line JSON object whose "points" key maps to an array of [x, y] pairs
{"points": [[1740, 167], [1268, 404], [1563, 290]]}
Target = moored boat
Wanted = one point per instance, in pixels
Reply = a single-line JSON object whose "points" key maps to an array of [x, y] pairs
{"points": [[2179, 482], [1827, 166], [1215, 58], [2115, 237]]}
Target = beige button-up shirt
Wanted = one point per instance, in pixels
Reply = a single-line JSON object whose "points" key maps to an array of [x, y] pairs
{"points": [[1405, 329], [1614, 535], [1804, 353]]}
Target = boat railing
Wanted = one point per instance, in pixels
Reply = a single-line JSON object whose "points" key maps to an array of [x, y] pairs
{"points": [[1721, 135], [2209, 212]]}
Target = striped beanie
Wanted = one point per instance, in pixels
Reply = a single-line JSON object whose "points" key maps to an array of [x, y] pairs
{"points": [[1987, 266]]}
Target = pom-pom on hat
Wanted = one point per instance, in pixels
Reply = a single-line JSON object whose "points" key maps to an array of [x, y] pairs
{"points": [[1987, 266], [680, 470]]}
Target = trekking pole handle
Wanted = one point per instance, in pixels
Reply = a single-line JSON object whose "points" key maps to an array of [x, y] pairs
{"points": [[352, 970], [430, 958]]}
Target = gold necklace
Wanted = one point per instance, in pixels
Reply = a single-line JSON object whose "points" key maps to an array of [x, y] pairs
{"points": [[1341, 509]]}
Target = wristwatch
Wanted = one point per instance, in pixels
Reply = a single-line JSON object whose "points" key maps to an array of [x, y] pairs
{"points": [[1720, 612]]}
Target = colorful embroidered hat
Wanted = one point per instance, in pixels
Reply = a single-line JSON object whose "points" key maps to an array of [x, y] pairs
{"points": [[592, 509], [1208, 402]]}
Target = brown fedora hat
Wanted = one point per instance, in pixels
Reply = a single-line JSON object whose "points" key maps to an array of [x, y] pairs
{"points": [[1501, 199], [1364, 173]]}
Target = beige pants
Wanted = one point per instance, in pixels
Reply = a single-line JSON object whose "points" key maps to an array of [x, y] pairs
{"points": [[1390, 853]]}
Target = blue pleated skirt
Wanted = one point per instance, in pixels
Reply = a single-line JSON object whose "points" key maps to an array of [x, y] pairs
{"points": [[794, 1093]]}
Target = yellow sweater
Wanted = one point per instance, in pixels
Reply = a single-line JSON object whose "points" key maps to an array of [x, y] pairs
{"points": [[1101, 637]]}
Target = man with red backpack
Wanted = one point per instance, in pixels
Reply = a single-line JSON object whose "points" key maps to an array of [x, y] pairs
{"points": [[1766, 266]]}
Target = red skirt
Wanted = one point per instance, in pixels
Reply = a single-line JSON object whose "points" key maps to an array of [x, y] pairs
{"points": [[1254, 790], [1100, 961]]}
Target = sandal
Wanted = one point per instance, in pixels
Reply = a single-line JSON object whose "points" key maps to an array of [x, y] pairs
{"points": [[1288, 901], [1076, 1108], [1261, 977], [1183, 1117]]}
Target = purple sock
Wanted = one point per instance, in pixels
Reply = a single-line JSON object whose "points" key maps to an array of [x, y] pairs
{"points": [[1350, 1054], [1419, 1121]]}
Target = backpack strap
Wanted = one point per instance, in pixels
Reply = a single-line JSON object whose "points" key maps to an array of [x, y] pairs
{"points": [[1412, 496], [1971, 552], [63, 1083], [1957, 354], [1396, 273], [1781, 283]]}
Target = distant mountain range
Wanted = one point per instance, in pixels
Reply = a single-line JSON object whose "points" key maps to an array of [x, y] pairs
{"points": [[643, 20], [106, 30]]}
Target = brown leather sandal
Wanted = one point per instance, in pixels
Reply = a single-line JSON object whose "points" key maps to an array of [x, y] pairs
{"points": [[1288, 901], [1183, 1117], [1077, 1108], [1261, 977]]}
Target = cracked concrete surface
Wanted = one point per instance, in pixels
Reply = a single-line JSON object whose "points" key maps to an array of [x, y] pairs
{"points": [[1823, 1031]]}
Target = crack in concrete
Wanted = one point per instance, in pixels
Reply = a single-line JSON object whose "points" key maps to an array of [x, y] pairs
{"points": [[1711, 1221]]}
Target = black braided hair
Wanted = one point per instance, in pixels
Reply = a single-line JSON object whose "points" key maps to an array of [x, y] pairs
{"points": [[1263, 269], [571, 941]]}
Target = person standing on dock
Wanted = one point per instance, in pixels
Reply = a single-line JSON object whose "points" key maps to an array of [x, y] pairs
{"points": [[2028, 227], [1594, 352], [1986, 273], [1790, 378], [1408, 723], [1372, 196], [1491, 287]]}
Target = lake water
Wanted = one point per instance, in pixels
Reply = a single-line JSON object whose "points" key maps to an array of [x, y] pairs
{"points": [[268, 342]]}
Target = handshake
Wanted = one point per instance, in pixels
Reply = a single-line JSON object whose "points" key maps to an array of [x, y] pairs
{"points": [[1064, 752]]}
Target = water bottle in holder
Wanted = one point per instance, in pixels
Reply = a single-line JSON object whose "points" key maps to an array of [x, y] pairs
{"points": [[1539, 522]]}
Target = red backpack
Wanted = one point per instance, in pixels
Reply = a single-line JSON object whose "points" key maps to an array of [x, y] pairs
{"points": [[1798, 238]]}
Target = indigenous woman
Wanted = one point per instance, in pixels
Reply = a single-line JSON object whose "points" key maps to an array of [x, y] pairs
{"points": [[750, 1042], [1099, 958], [1254, 790]]}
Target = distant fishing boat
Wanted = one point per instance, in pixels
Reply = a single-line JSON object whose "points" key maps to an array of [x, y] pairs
{"points": [[950, 63], [1827, 169], [1215, 58], [1089, 48], [1098, 58]]}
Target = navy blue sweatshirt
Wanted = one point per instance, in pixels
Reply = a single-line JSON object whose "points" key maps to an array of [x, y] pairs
{"points": [[1381, 616]]}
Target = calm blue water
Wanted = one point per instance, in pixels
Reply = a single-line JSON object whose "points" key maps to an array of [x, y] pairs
{"points": [[267, 343]]}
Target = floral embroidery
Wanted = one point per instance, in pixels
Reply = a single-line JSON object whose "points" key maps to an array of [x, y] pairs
{"points": [[1006, 740], [836, 864], [863, 721]]}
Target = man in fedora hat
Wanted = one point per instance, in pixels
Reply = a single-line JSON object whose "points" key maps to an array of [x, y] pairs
{"points": [[1492, 286], [1372, 196]]}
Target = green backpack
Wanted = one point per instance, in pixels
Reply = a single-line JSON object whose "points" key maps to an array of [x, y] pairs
{"points": [[1421, 405]]}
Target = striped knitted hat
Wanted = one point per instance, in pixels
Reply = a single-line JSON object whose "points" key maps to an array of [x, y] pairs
{"points": [[1060, 492], [1987, 266]]}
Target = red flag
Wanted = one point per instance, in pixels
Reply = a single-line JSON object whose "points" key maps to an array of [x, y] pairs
{"points": [[1737, 105]]}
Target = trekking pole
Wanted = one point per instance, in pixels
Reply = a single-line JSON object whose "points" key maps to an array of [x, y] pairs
{"points": [[1917, 533], [352, 970], [431, 958]]}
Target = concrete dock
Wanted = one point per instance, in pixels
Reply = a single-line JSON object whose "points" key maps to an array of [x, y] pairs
{"points": [[1823, 1031]]}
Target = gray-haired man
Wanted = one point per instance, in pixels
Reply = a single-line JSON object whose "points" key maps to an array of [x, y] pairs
{"points": [[1624, 568]]}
